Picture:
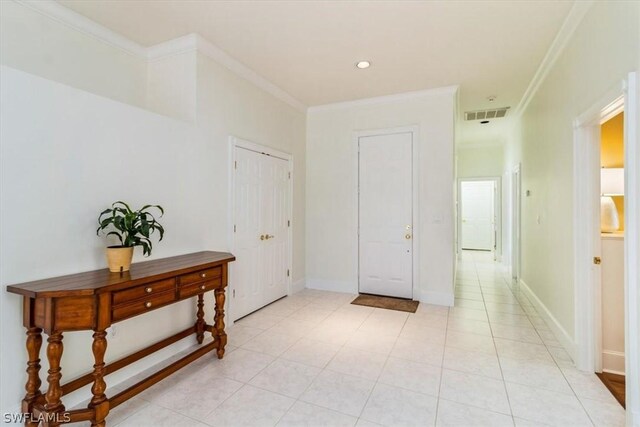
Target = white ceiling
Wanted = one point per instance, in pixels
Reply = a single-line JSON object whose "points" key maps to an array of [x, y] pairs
{"points": [[309, 48]]}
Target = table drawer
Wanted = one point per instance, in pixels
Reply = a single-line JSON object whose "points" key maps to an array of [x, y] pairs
{"points": [[151, 289], [144, 304], [192, 289], [201, 276]]}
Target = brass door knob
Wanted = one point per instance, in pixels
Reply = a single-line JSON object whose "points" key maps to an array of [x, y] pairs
{"points": [[407, 236], [269, 236], [597, 260], [262, 237]]}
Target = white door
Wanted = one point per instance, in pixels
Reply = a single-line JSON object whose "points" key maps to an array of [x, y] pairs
{"points": [[261, 235], [477, 213], [385, 215]]}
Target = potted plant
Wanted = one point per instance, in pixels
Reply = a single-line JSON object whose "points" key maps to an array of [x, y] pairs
{"points": [[132, 228]]}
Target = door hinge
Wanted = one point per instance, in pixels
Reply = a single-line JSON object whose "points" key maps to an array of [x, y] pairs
{"points": [[289, 175], [288, 273], [288, 223], [234, 228], [234, 293], [235, 165]]}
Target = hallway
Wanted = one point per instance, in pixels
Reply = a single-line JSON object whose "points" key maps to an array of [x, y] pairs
{"points": [[313, 359]]}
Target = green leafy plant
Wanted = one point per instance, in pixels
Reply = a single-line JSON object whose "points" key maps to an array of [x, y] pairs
{"points": [[132, 228]]}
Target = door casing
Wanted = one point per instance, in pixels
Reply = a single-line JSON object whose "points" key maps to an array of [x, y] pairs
{"points": [[235, 142], [415, 138]]}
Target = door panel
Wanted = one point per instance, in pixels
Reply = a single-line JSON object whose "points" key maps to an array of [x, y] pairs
{"points": [[385, 215], [248, 222], [477, 212], [261, 209]]}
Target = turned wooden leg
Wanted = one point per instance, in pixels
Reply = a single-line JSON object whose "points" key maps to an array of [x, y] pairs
{"points": [[53, 403], [99, 401], [34, 343], [218, 328], [200, 319]]}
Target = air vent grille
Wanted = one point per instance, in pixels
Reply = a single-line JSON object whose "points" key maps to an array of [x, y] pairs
{"points": [[495, 113]]}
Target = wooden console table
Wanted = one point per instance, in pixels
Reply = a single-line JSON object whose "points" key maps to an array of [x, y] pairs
{"points": [[93, 301]]}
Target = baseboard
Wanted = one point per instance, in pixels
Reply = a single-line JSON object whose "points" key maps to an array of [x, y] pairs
{"points": [[297, 286], [332, 285], [613, 362], [436, 298], [560, 333]]}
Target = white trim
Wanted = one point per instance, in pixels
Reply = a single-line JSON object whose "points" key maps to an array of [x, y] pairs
{"points": [[78, 22], [187, 43], [497, 207], [569, 26], [437, 298], [333, 285], [614, 362], [516, 223], [612, 110], [632, 249], [414, 130], [558, 331], [235, 142], [448, 90], [208, 49]]}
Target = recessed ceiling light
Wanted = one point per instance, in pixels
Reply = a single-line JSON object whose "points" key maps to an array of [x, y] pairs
{"points": [[484, 122], [363, 64]]}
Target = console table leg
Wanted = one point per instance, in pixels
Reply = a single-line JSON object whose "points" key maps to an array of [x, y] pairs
{"points": [[218, 329], [54, 392], [200, 319], [34, 343], [99, 401]]}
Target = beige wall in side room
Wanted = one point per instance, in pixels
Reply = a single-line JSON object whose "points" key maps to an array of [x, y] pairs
{"points": [[40, 45], [601, 52], [480, 161]]}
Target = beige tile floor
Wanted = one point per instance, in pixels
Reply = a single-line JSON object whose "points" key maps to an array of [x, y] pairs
{"points": [[312, 359]]}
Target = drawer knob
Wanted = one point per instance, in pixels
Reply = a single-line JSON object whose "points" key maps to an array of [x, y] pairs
{"points": [[202, 287], [203, 275], [148, 290], [148, 304]]}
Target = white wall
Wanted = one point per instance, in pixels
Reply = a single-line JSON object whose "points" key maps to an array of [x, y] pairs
{"points": [[603, 49], [66, 154], [40, 45], [331, 191], [477, 162]]}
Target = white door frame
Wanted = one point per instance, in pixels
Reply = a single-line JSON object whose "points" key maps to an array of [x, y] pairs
{"points": [[586, 232], [516, 221], [235, 142], [415, 142], [497, 213]]}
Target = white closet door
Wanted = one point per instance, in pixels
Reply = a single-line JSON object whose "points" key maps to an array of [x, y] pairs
{"points": [[275, 208], [247, 277], [385, 215], [261, 238]]}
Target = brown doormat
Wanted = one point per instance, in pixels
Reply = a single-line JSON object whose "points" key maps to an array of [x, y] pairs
{"points": [[388, 303]]}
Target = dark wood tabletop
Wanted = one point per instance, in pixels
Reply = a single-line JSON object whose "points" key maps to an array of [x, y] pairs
{"points": [[98, 281]]}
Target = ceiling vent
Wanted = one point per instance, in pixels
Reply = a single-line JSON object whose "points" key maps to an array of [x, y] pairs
{"points": [[494, 113]]}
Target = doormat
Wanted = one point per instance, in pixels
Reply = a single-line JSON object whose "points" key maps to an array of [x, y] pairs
{"points": [[387, 303]]}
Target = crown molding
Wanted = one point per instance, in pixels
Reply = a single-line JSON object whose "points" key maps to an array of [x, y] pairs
{"points": [[188, 43], [81, 23], [569, 26], [447, 90]]}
